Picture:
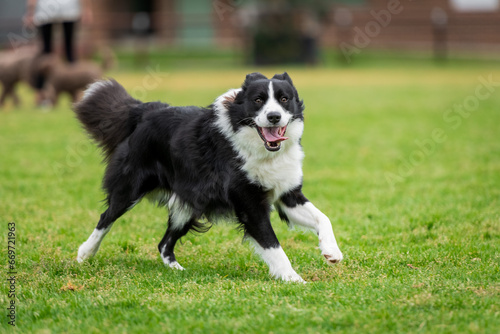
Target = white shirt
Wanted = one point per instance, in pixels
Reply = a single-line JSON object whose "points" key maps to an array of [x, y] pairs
{"points": [[56, 11]]}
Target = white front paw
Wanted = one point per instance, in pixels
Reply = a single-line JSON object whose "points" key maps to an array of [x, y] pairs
{"points": [[294, 278], [289, 276], [175, 265], [333, 255], [86, 251]]}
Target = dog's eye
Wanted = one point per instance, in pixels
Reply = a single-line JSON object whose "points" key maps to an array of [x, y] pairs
{"points": [[284, 99], [258, 100]]}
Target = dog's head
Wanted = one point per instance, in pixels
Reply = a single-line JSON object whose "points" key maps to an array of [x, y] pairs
{"points": [[267, 111]]}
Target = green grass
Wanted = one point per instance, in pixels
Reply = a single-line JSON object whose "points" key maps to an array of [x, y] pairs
{"points": [[137, 58], [421, 253]]}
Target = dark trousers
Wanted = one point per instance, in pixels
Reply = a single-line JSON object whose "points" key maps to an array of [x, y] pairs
{"points": [[47, 48]]}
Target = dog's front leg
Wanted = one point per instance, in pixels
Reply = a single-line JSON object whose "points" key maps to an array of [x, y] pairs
{"points": [[295, 208], [279, 264], [253, 214]]}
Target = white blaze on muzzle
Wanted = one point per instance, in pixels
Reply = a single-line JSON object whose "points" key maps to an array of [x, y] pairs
{"points": [[272, 133]]}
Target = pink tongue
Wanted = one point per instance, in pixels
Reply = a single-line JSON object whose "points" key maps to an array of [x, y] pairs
{"points": [[272, 134]]}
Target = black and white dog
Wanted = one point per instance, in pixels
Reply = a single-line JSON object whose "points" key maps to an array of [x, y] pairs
{"points": [[236, 158]]}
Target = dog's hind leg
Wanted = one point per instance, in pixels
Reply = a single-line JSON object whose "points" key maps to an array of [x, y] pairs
{"points": [[7, 89], [16, 99], [180, 221], [118, 205], [295, 208], [167, 243]]}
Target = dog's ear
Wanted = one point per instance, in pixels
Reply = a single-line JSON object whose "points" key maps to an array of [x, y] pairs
{"points": [[284, 76], [231, 97], [253, 77]]}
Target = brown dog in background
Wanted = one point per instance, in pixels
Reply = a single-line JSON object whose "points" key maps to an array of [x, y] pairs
{"points": [[23, 64], [15, 67], [70, 78]]}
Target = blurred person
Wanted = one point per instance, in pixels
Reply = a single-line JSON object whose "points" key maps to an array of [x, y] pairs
{"points": [[44, 14]]}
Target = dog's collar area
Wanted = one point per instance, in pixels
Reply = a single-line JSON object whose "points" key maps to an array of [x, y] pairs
{"points": [[272, 137]]}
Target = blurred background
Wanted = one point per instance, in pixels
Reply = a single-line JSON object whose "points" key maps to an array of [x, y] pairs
{"points": [[402, 154], [318, 32]]}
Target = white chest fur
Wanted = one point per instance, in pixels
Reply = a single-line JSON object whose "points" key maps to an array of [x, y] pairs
{"points": [[277, 172]]}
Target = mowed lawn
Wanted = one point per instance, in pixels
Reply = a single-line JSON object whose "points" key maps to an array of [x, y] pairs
{"points": [[411, 186]]}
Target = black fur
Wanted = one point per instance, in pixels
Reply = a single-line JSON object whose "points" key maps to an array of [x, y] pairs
{"points": [[155, 147], [291, 199]]}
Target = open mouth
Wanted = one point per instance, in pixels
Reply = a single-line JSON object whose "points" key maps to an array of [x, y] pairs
{"points": [[272, 137]]}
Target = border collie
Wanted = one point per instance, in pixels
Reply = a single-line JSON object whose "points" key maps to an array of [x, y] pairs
{"points": [[235, 158]]}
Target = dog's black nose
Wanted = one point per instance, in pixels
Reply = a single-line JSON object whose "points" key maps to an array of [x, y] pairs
{"points": [[274, 117]]}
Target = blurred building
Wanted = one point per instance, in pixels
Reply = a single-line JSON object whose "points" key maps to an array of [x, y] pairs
{"points": [[469, 25], [464, 25], [189, 23]]}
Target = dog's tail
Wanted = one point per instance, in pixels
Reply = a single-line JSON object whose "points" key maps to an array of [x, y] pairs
{"points": [[108, 113]]}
